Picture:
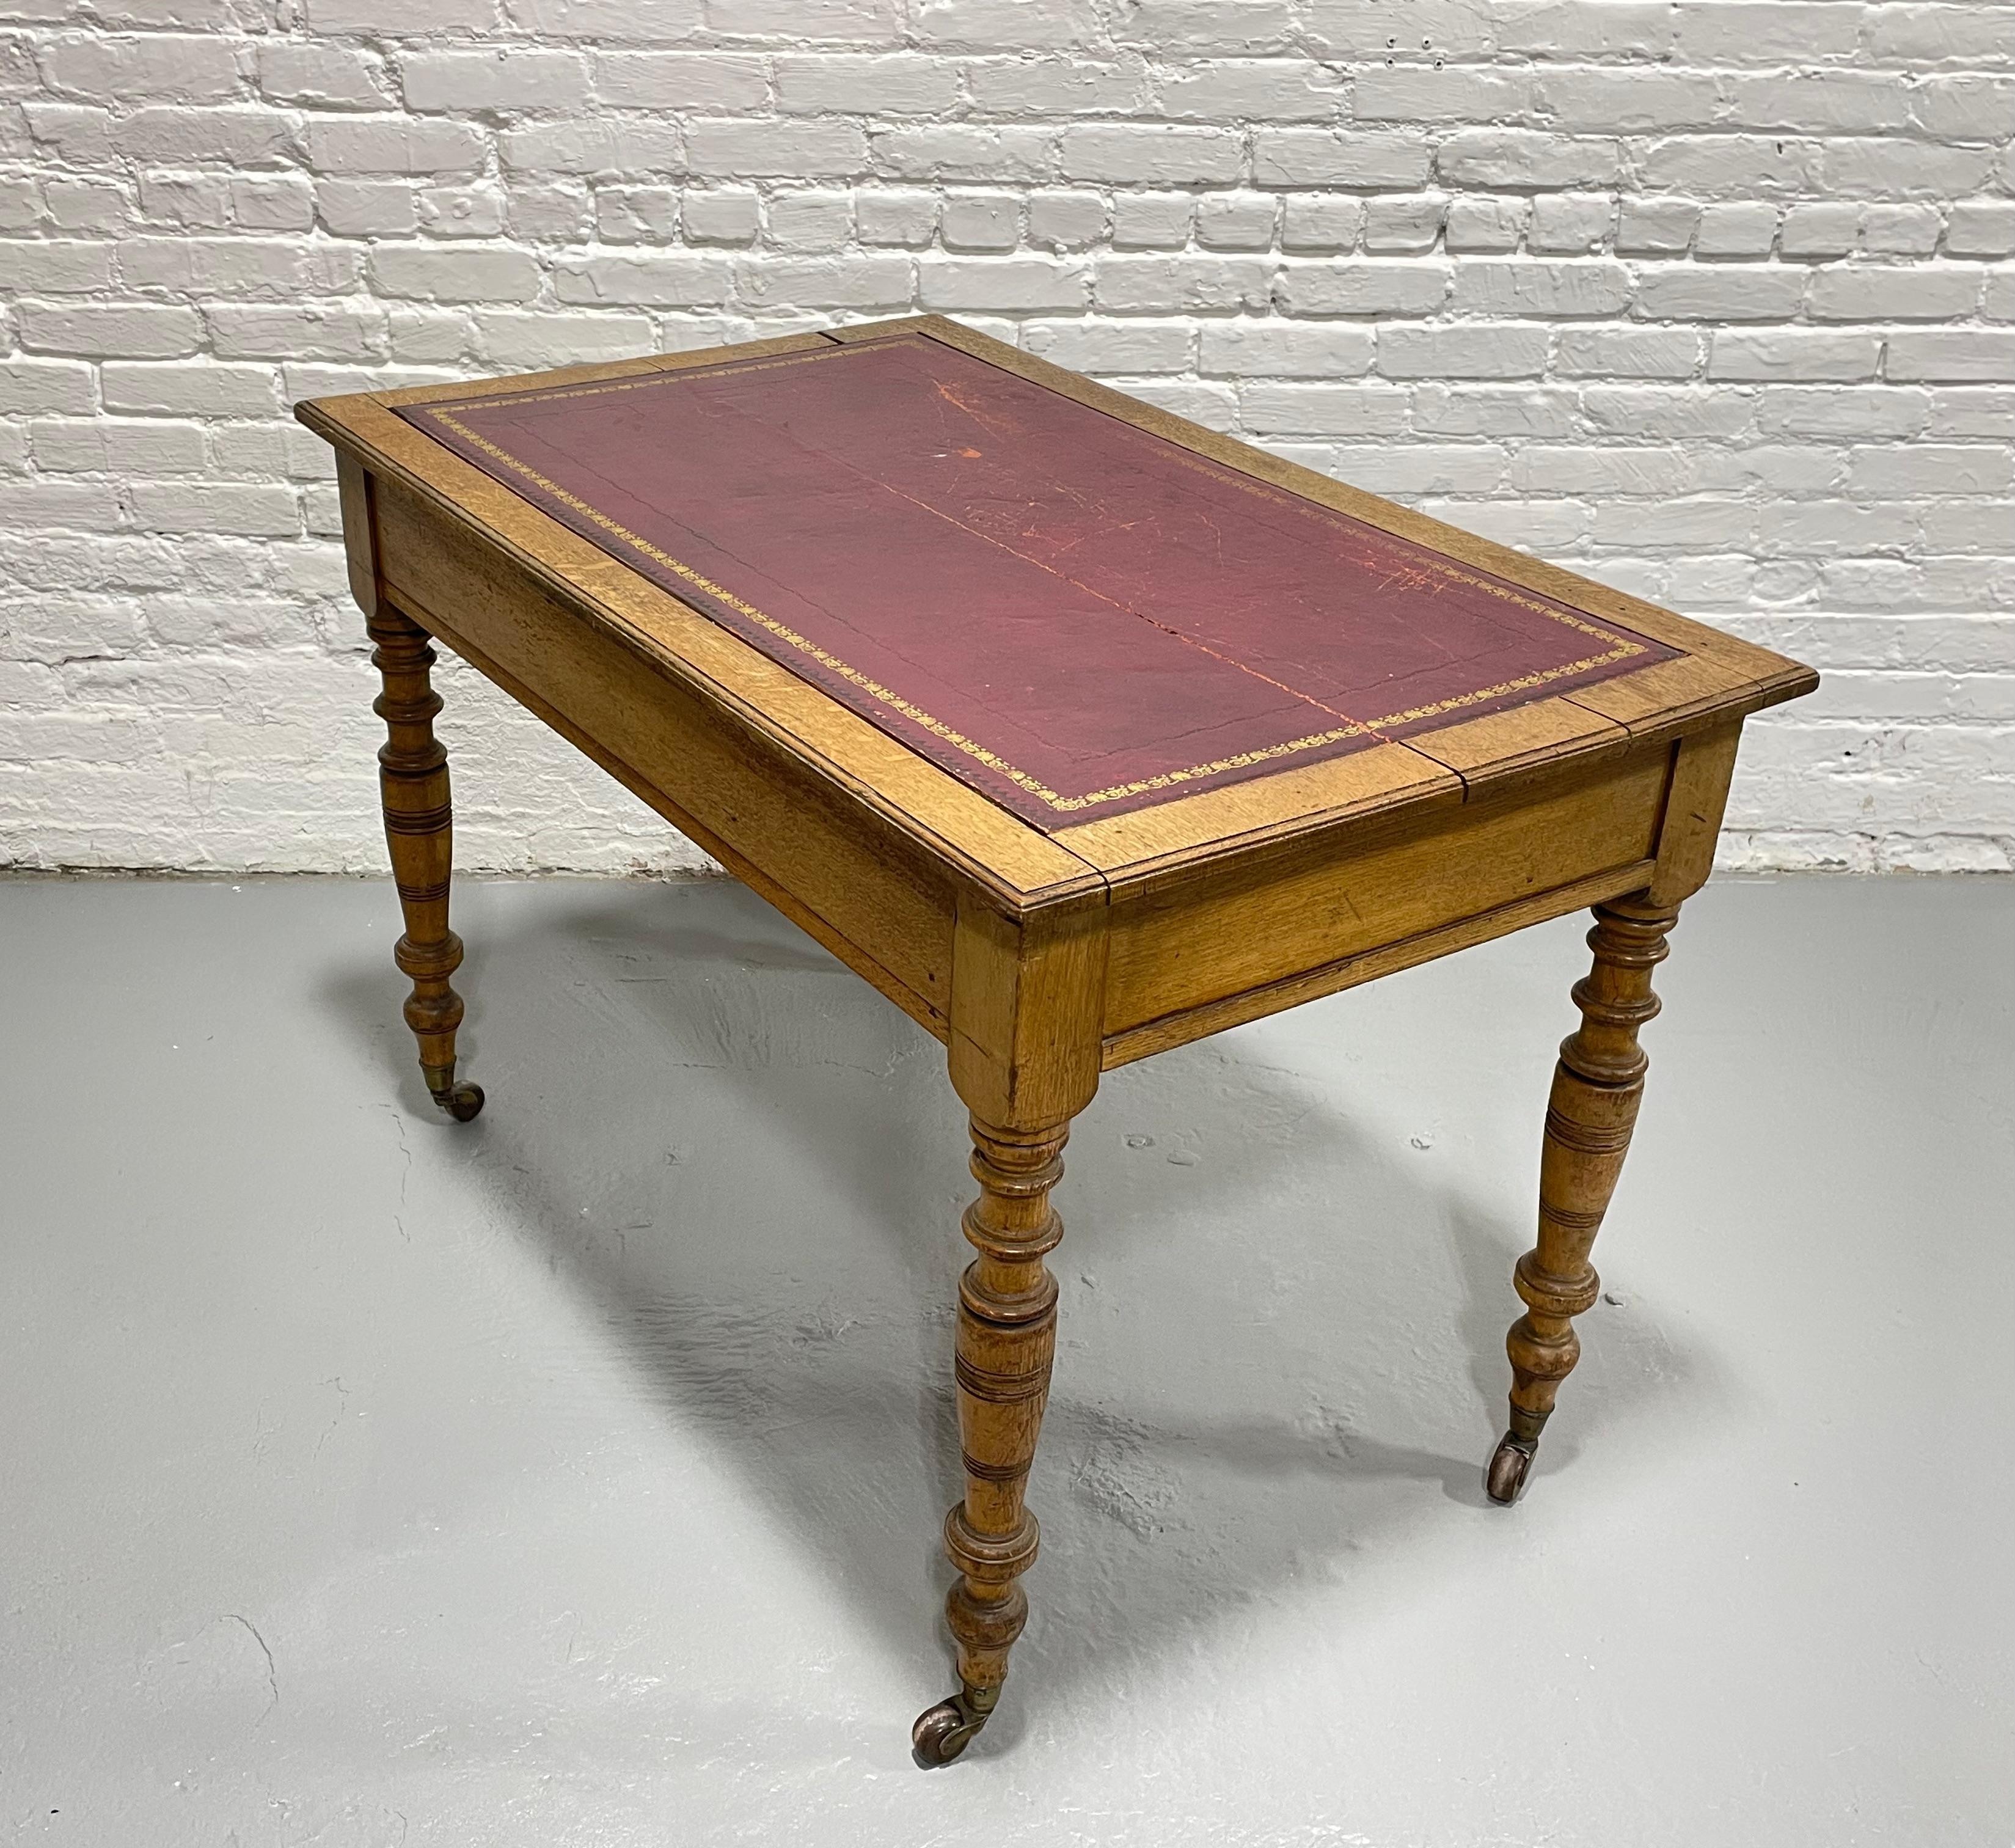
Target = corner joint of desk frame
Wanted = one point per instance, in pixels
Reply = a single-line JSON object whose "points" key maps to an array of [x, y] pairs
{"points": [[355, 496], [1696, 799], [1027, 1007]]}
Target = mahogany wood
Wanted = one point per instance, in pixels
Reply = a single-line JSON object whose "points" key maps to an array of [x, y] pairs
{"points": [[1040, 956]]}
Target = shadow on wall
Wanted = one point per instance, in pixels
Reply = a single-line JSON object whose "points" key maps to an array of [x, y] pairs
{"points": [[1279, 1350]]}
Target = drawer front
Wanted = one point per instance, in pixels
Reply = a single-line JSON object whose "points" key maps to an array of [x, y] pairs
{"points": [[1185, 945]]}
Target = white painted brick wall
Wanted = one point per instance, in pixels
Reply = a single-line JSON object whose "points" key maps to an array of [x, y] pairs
{"points": [[1709, 299]]}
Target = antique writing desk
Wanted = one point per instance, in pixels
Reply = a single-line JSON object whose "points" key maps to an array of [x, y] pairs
{"points": [[1078, 730]]}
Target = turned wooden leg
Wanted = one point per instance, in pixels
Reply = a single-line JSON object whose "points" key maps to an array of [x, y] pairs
{"points": [[1597, 1088], [1007, 1334], [412, 777]]}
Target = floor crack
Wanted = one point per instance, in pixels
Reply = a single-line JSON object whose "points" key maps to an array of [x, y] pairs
{"points": [[272, 1674], [405, 1173]]}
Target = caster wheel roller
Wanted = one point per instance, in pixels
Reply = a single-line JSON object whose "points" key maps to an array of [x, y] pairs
{"points": [[940, 1734], [1506, 1474], [464, 1103], [944, 1731]]}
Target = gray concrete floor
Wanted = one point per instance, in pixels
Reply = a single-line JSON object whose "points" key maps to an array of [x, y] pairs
{"points": [[572, 1477]]}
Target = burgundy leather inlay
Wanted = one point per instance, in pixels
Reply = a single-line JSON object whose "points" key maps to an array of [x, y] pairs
{"points": [[1071, 614]]}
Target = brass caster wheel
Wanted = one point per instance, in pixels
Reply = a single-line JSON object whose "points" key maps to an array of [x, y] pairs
{"points": [[1506, 1474], [463, 1103], [944, 1731]]}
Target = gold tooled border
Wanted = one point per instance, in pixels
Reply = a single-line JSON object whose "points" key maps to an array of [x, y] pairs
{"points": [[887, 696]]}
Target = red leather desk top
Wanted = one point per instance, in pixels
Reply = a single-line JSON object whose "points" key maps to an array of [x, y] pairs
{"points": [[1073, 616]]}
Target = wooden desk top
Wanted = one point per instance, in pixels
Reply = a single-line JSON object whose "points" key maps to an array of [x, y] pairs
{"points": [[1072, 614], [1063, 634]]}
